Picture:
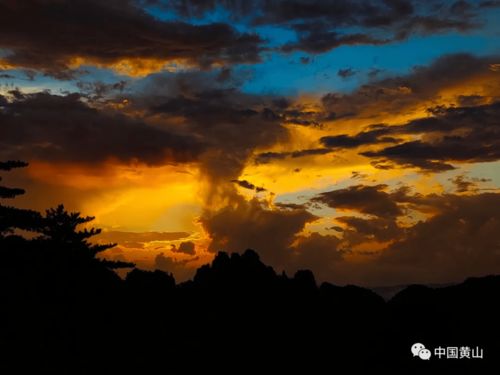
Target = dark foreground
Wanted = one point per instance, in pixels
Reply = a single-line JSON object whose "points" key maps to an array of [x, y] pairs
{"points": [[236, 316]]}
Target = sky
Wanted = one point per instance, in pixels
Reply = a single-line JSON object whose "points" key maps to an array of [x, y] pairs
{"points": [[358, 139]]}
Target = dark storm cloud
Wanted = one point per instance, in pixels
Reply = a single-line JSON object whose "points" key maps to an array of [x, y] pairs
{"points": [[342, 12], [63, 128], [420, 155], [274, 11], [320, 41], [468, 225], [459, 239], [231, 123], [384, 208], [319, 23], [371, 137], [47, 35], [360, 230], [371, 200], [463, 134]]}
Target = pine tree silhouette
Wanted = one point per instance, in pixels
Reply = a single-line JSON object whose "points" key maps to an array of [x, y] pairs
{"points": [[57, 229], [60, 229]]}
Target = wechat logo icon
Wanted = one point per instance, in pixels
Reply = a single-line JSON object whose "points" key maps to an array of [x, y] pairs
{"points": [[419, 350]]}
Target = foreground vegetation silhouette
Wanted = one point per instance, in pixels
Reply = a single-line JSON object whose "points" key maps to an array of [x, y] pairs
{"points": [[65, 311]]}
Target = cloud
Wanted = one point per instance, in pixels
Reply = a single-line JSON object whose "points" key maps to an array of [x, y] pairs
{"points": [[398, 93], [471, 100], [358, 230], [460, 241], [296, 115], [247, 185], [6, 75], [463, 134], [457, 240], [370, 200], [138, 239], [371, 137], [383, 208], [206, 117], [315, 249], [434, 143], [181, 269], [290, 206], [60, 37], [55, 36], [249, 224], [355, 175], [231, 124], [319, 23], [347, 13], [319, 41], [97, 90], [416, 154], [346, 73], [186, 247], [463, 184], [267, 157], [63, 128]]}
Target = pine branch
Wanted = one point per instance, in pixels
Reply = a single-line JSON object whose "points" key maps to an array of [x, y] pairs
{"points": [[6, 192], [11, 164]]}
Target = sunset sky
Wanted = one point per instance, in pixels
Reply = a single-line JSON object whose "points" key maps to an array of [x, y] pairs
{"points": [[359, 139]]}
